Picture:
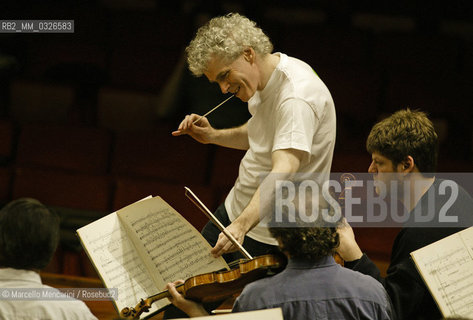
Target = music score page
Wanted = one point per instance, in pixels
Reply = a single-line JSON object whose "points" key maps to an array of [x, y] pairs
{"points": [[143, 246], [447, 269]]}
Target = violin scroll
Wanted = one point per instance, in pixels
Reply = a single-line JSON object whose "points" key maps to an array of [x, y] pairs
{"points": [[135, 313]]}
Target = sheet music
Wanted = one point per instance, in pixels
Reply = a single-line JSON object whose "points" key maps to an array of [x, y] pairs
{"points": [[266, 314], [447, 268], [168, 244], [467, 236], [117, 261], [141, 247]]}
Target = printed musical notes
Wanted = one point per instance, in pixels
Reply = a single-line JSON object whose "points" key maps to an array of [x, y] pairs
{"points": [[116, 260], [143, 246], [172, 246], [447, 269]]}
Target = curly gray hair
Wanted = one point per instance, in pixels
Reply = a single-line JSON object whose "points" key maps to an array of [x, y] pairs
{"points": [[225, 37]]}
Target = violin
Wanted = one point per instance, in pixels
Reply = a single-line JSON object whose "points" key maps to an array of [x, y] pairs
{"points": [[215, 286]]}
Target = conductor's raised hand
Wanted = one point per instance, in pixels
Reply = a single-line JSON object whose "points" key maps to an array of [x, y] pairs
{"points": [[197, 127]]}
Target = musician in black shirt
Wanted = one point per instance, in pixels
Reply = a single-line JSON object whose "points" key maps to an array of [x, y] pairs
{"points": [[404, 148]]}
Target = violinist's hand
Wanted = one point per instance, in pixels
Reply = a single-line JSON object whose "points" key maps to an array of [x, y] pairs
{"points": [[348, 248], [202, 131], [191, 308], [224, 245]]}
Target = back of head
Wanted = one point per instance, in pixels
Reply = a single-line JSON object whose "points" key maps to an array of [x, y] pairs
{"points": [[406, 133], [306, 242], [306, 230], [225, 37], [29, 234]]}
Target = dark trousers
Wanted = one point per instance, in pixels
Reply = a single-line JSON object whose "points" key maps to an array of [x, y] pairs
{"points": [[255, 248], [210, 232]]}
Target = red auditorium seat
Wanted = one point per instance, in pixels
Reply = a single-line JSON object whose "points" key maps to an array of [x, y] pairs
{"points": [[130, 190], [159, 155], [356, 93], [48, 55], [351, 162], [376, 242], [78, 149], [6, 148], [71, 190], [33, 102], [225, 166], [6, 142], [125, 110], [326, 46], [468, 63], [141, 57], [5, 184], [418, 91], [415, 52]]}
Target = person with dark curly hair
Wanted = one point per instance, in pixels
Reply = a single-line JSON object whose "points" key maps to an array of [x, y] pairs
{"points": [[312, 286]]}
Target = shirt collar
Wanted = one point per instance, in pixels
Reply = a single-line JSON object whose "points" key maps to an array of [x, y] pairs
{"points": [[305, 264], [19, 274], [260, 96], [269, 88]]}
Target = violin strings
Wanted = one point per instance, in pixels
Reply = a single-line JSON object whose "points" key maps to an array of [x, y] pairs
{"points": [[236, 262]]}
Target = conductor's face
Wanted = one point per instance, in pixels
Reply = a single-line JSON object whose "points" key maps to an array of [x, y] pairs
{"points": [[239, 77]]}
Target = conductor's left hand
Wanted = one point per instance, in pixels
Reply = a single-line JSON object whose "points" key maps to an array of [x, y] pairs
{"points": [[224, 245]]}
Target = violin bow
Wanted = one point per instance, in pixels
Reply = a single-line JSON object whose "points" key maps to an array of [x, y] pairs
{"points": [[195, 200]]}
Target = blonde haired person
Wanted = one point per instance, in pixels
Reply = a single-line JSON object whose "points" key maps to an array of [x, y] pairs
{"points": [[291, 129], [226, 37]]}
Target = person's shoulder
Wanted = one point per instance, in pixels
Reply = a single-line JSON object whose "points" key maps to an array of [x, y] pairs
{"points": [[260, 285], [256, 294], [442, 185], [454, 201], [48, 309], [264, 288], [75, 309], [297, 80], [70, 307], [295, 67], [362, 282]]}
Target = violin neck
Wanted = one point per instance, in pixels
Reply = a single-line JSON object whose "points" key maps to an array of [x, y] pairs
{"points": [[164, 294]]}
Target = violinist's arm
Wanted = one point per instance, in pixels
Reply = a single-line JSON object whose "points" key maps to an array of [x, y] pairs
{"points": [[191, 308], [348, 248], [285, 163]]}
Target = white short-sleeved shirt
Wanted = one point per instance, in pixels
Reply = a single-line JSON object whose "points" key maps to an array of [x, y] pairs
{"points": [[14, 309], [294, 111]]}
